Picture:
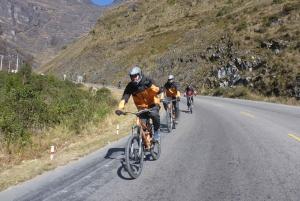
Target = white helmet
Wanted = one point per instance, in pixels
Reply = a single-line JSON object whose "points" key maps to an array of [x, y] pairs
{"points": [[170, 78], [136, 70]]}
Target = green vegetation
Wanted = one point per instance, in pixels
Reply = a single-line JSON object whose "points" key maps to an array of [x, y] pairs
{"points": [[32, 105]]}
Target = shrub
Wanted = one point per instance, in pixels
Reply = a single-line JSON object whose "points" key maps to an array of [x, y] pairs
{"points": [[31, 103]]}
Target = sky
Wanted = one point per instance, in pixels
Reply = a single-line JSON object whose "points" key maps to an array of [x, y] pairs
{"points": [[102, 2]]}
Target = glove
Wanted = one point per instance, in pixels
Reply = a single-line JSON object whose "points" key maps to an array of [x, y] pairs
{"points": [[178, 99], [119, 112]]}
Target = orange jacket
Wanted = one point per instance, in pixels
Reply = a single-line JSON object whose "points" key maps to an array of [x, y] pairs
{"points": [[145, 94], [171, 90]]}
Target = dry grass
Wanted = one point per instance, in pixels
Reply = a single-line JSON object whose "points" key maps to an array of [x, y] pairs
{"points": [[94, 138]]}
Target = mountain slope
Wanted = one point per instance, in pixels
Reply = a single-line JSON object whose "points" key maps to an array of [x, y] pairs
{"points": [[208, 43], [38, 29]]}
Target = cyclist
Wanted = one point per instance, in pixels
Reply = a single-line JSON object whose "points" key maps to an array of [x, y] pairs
{"points": [[144, 91], [171, 90], [190, 91]]}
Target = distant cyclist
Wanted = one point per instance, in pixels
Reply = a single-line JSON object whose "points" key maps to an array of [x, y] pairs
{"points": [[171, 90], [144, 91], [190, 91]]}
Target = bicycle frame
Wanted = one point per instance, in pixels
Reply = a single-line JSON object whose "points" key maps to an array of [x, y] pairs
{"points": [[189, 100], [170, 115], [143, 131]]}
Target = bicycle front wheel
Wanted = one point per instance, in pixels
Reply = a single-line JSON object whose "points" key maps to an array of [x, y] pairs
{"points": [[134, 156], [169, 120]]}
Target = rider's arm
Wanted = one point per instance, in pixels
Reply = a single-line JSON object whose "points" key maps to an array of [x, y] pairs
{"points": [[177, 89], [124, 100], [154, 86]]}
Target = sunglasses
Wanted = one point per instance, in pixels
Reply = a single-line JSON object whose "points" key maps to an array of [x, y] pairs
{"points": [[134, 75]]}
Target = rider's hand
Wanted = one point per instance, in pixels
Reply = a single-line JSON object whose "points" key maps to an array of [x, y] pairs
{"points": [[183, 95], [178, 99], [119, 112]]}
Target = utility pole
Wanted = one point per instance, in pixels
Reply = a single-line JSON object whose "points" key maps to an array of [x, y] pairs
{"points": [[1, 62], [17, 63], [9, 66]]}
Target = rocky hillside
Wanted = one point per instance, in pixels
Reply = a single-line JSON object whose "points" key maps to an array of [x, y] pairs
{"points": [[208, 43], [37, 29]]}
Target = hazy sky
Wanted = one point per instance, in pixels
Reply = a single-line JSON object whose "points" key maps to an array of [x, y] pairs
{"points": [[102, 2]]}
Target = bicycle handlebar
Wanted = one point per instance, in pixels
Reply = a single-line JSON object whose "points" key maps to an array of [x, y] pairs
{"points": [[167, 100], [137, 113]]}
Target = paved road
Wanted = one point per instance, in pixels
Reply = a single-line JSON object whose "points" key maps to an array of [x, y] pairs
{"points": [[228, 149]]}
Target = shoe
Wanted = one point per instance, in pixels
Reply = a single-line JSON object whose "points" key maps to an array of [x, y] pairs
{"points": [[176, 121], [188, 108], [156, 136]]}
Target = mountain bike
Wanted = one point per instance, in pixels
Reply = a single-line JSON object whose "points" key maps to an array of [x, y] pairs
{"points": [[190, 103], [170, 114], [139, 142]]}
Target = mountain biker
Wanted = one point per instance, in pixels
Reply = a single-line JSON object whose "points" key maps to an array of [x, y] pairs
{"points": [[144, 91], [189, 91], [171, 90]]}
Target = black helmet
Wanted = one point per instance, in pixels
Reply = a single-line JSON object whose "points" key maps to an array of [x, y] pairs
{"points": [[134, 71], [170, 78], [188, 85]]}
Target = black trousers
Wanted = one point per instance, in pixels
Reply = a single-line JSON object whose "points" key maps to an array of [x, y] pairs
{"points": [[154, 116]]}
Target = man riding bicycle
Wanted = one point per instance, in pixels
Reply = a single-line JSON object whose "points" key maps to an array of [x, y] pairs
{"points": [[189, 91], [171, 90], [144, 91]]}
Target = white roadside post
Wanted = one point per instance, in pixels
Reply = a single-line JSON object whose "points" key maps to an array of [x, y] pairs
{"points": [[117, 129], [52, 152]]}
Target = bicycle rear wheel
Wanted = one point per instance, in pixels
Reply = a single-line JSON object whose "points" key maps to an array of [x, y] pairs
{"points": [[169, 120], [174, 124], [155, 147], [134, 156]]}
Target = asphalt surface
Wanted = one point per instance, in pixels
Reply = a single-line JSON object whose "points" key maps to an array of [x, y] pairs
{"points": [[228, 149]]}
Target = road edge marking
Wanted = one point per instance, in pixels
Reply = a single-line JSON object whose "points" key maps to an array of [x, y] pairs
{"points": [[295, 137]]}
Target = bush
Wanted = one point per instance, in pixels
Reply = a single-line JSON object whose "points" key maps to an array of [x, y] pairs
{"points": [[31, 103]]}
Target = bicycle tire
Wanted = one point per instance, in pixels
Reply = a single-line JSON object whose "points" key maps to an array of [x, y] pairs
{"points": [[174, 124], [133, 159], [155, 147], [169, 120], [173, 120]]}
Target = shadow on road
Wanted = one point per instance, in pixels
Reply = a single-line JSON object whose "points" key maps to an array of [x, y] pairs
{"points": [[113, 153]]}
